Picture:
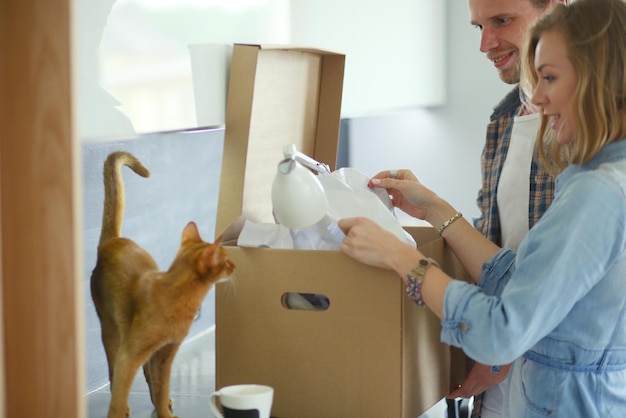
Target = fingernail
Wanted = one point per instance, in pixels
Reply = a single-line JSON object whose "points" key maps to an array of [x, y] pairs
{"points": [[375, 181]]}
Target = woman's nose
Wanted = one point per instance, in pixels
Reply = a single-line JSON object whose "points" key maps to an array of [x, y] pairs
{"points": [[538, 98]]}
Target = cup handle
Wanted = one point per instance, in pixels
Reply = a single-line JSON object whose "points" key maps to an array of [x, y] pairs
{"points": [[213, 406]]}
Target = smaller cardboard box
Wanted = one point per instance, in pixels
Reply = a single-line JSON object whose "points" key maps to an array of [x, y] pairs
{"points": [[371, 352]]}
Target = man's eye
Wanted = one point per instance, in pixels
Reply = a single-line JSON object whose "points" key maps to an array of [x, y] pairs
{"points": [[503, 21], [479, 27]]}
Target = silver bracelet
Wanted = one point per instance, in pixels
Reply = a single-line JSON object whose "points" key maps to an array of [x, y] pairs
{"points": [[448, 222]]}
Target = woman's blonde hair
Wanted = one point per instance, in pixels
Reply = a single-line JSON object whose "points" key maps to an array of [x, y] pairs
{"points": [[595, 37]]}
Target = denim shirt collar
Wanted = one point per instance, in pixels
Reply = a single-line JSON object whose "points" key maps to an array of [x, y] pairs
{"points": [[614, 151]]}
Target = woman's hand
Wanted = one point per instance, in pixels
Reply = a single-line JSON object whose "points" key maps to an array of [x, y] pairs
{"points": [[371, 244], [479, 379], [406, 191]]}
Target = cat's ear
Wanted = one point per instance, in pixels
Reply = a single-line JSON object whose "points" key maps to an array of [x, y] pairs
{"points": [[190, 233], [212, 256], [218, 240]]}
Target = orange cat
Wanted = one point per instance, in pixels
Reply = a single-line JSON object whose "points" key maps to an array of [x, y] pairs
{"points": [[145, 313]]}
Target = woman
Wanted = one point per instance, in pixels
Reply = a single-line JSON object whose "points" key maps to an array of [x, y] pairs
{"points": [[558, 307]]}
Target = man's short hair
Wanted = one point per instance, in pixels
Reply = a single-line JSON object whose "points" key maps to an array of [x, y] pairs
{"points": [[542, 4]]}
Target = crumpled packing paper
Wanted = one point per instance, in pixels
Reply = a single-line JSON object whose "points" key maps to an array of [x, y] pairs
{"points": [[348, 196]]}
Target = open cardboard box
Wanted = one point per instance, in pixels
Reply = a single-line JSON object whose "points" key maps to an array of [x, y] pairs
{"points": [[373, 352]]}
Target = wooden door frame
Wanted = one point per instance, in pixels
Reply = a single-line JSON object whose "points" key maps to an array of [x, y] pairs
{"points": [[41, 304]]}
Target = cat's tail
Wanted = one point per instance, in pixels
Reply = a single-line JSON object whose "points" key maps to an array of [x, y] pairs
{"points": [[113, 213]]}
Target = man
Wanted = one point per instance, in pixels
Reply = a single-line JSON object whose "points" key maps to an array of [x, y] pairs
{"points": [[515, 191]]}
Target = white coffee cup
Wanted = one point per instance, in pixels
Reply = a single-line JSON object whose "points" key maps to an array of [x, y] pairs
{"points": [[243, 401]]}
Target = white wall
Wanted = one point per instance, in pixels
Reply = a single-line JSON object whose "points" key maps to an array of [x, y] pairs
{"points": [[382, 55], [442, 145]]}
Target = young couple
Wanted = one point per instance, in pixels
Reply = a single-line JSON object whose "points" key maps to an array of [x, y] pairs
{"points": [[557, 307]]}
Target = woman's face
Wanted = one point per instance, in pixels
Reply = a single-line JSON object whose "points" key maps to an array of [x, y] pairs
{"points": [[556, 85]]}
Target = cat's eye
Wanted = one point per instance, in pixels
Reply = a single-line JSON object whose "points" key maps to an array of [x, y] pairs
{"points": [[305, 301]]}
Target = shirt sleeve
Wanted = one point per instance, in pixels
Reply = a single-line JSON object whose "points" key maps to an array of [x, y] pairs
{"points": [[571, 248], [497, 273]]}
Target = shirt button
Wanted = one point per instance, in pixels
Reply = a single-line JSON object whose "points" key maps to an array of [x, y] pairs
{"points": [[462, 326]]}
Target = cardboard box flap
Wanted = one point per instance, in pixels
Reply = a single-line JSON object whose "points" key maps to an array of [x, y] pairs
{"points": [[277, 96], [284, 47]]}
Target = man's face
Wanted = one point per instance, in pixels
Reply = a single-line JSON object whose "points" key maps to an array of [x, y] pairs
{"points": [[503, 25]]}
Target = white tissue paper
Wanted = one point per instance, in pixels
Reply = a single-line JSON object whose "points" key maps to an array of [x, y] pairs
{"points": [[265, 235], [348, 196]]}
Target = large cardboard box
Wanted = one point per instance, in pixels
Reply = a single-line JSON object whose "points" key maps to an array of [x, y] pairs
{"points": [[372, 352]]}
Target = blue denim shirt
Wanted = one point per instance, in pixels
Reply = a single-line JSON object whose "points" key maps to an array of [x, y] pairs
{"points": [[559, 306]]}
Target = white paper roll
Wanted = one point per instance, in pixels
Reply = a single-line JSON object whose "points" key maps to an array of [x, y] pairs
{"points": [[210, 66]]}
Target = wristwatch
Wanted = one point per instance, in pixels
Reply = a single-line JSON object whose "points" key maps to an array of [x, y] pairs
{"points": [[415, 278]]}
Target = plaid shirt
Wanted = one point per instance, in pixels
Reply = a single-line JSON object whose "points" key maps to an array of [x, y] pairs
{"points": [[492, 160]]}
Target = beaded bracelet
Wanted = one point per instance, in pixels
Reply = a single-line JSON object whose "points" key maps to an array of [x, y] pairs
{"points": [[449, 222], [415, 278]]}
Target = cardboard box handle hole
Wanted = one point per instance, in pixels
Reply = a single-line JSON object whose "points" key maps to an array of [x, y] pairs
{"points": [[305, 301]]}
